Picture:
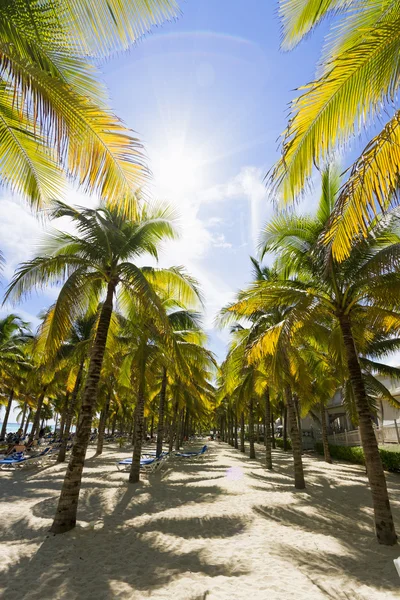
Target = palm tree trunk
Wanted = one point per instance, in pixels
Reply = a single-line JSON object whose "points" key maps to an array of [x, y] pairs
{"points": [[7, 414], [299, 482], [173, 427], [34, 434], [179, 433], [186, 425], [161, 410], [152, 427], [229, 426], [242, 446], [102, 426], [64, 413], [285, 420], [70, 406], [251, 428], [114, 421], [298, 415], [65, 518], [267, 432], [24, 415], [273, 431], [134, 474], [27, 421], [384, 526], [236, 431], [325, 443]]}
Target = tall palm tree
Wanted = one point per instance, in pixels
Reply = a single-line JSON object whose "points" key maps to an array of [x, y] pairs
{"points": [[54, 114], [354, 296], [357, 82], [96, 260], [154, 347], [14, 335]]}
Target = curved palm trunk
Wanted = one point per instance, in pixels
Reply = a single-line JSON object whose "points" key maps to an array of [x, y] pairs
{"points": [[71, 406], [251, 428], [6, 416], [186, 426], [34, 434], [229, 427], [267, 432], [236, 431], [27, 422], [285, 420], [64, 415], [384, 526], [114, 421], [298, 415], [102, 426], [173, 427], [299, 482], [325, 443], [24, 414], [65, 518], [179, 435], [152, 427], [242, 447], [161, 410], [273, 431], [134, 474]]}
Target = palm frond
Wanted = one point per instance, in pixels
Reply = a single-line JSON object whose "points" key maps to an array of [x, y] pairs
{"points": [[329, 112], [372, 185], [299, 17]]}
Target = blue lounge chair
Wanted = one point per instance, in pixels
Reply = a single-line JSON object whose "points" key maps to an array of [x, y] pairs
{"points": [[19, 459], [146, 464], [192, 454]]}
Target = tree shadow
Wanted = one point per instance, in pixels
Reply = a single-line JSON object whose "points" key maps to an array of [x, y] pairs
{"points": [[137, 550]]}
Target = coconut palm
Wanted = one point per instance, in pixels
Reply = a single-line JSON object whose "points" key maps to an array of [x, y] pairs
{"points": [[359, 294], [94, 261], [188, 360], [14, 361], [356, 83], [54, 113], [155, 348]]}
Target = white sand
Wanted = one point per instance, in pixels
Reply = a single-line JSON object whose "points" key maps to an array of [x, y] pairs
{"points": [[220, 528]]}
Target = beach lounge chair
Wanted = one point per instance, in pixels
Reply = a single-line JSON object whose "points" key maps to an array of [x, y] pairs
{"points": [[19, 460], [192, 454], [146, 464]]}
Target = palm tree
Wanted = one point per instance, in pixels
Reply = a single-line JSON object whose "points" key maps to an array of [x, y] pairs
{"points": [[55, 118], [95, 260], [14, 335], [153, 347], [187, 359], [354, 296], [356, 83]]}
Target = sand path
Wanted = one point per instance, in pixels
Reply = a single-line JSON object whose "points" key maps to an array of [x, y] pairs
{"points": [[220, 528]]}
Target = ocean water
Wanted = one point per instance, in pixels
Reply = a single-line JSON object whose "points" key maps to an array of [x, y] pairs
{"points": [[11, 427]]}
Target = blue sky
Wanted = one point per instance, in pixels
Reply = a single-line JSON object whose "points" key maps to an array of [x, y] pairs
{"points": [[208, 96]]}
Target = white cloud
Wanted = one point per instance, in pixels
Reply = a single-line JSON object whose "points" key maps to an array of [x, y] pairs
{"points": [[212, 233], [219, 241]]}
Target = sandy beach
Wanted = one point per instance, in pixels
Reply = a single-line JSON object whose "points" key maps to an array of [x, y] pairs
{"points": [[219, 528]]}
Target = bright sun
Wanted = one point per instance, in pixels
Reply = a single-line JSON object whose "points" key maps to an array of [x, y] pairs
{"points": [[177, 170]]}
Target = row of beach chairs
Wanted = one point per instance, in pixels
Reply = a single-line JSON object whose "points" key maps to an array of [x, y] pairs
{"points": [[36, 458], [150, 462]]}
